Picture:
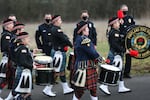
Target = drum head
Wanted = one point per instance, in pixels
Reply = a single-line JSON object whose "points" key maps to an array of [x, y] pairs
{"points": [[110, 67], [43, 59]]}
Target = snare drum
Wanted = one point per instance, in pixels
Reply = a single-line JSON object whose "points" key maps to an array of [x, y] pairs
{"points": [[109, 74], [43, 75], [43, 59]]}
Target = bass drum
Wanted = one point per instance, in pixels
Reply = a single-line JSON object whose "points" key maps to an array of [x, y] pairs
{"points": [[138, 38]]}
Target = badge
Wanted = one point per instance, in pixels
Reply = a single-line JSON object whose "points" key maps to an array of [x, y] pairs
{"points": [[24, 51], [116, 35], [49, 33], [129, 20], [44, 30], [86, 41], [59, 30]]}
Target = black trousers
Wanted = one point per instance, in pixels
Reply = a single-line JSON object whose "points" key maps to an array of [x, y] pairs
{"points": [[127, 64], [47, 50]]}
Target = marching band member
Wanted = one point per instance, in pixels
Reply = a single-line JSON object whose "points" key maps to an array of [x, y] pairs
{"points": [[5, 63], [85, 76], [60, 47], [23, 80], [116, 42], [18, 28]]}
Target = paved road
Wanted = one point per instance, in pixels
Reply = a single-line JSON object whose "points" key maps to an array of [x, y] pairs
{"points": [[140, 86]]}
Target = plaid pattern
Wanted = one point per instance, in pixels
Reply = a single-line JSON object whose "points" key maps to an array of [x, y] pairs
{"points": [[3, 82], [91, 78]]}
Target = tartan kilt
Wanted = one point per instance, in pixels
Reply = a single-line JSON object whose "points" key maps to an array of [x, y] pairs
{"points": [[91, 78]]}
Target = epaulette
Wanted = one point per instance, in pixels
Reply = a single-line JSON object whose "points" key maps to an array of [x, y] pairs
{"points": [[86, 41]]}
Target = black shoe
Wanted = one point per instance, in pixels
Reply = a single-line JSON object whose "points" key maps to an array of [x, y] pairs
{"points": [[127, 76]]}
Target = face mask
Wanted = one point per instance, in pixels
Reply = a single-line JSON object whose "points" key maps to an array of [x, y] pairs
{"points": [[84, 18], [47, 20], [125, 12]]}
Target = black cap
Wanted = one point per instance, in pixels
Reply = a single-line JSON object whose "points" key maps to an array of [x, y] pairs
{"points": [[7, 21], [22, 35], [112, 20], [55, 17], [18, 25]]}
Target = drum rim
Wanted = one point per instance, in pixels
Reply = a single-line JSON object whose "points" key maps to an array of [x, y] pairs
{"points": [[116, 68]]}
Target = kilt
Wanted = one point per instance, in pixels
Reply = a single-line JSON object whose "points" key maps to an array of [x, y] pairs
{"points": [[91, 78], [63, 66]]}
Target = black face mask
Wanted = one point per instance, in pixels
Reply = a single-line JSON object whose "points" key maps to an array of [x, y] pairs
{"points": [[85, 18], [125, 12], [47, 20]]}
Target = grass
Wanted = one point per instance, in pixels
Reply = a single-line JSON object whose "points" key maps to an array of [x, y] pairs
{"points": [[141, 66]]}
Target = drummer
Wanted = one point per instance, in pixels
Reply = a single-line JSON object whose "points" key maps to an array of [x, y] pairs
{"points": [[61, 43], [24, 61], [85, 64], [116, 48]]}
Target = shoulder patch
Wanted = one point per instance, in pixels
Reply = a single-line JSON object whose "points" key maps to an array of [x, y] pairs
{"points": [[7, 37], [116, 35], [24, 51], [86, 41], [44, 31]]}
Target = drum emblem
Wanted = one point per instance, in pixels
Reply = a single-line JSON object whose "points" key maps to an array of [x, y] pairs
{"points": [[138, 38]]}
